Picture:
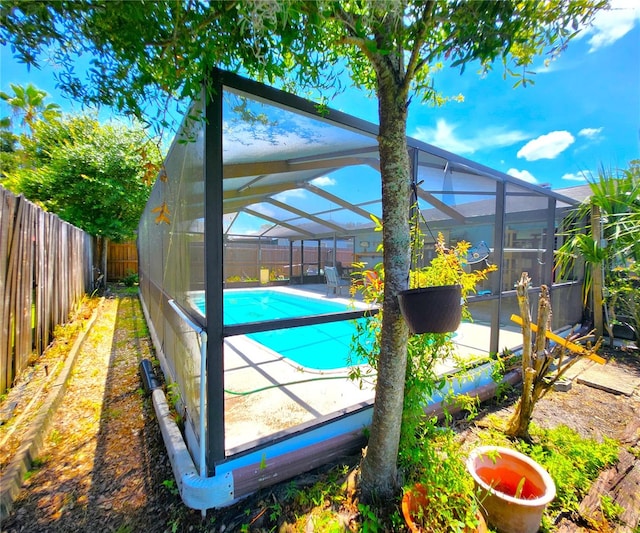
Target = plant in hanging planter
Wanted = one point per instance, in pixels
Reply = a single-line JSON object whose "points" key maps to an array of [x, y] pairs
{"points": [[443, 283], [446, 270], [433, 301]]}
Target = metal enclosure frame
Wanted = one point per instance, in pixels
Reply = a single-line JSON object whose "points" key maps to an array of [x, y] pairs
{"points": [[238, 474]]}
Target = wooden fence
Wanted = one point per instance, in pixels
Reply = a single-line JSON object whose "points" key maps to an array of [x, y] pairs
{"points": [[122, 260], [45, 268]]}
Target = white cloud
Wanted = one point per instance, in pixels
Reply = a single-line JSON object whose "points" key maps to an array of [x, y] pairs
{"points": [[580, 177], [523, 175], [605, 29], [612, 24], [444, 136], [323, 181], [547, 146], [293, 193], [589, 133]]}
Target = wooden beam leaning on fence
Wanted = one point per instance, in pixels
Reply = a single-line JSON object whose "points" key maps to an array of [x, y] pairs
{"points": [[572, 346], [542, 366]]}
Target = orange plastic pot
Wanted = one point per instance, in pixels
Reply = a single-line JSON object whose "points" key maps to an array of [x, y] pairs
{"points": [[513, 489], [415, 503]]}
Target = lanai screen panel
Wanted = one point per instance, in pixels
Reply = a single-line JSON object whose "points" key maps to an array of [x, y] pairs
{"points": [[292, 179], [291, 176], [529, 237], [301, 186], [525, 236], [455, 201], [566, 295], [461, 205], [171, 244]]}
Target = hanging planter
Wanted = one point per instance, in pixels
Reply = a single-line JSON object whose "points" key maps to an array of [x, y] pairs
{"points": [[432, 309], [434, 301], [513, 488]]}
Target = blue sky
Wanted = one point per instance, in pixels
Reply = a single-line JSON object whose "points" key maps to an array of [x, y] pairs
{"points": [[583, 111]]}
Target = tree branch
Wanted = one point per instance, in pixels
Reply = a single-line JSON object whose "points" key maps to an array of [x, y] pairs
{"points": [[377, 60], [415, 63]]}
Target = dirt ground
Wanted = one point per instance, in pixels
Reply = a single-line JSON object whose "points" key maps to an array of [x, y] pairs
{"points": [[104, 466]]}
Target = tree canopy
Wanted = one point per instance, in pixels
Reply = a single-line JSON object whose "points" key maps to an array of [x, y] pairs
{"points": [[142, 52], [97, 177], [388, 47]]}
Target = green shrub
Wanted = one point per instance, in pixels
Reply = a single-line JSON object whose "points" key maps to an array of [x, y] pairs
{"points": [[573, 462], [131, 279]]}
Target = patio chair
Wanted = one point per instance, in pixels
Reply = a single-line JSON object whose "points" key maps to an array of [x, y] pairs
{"points": [[333, 280]]}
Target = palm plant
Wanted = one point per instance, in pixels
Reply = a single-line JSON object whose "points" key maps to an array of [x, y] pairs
{"points": [[615, 241], [29, 104]]}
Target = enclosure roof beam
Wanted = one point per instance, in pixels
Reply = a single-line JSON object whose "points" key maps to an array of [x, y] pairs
{"points": [[466, 193], [278, 222], [258, 192], [373, 149], [237, 200], [337, 200], [252, 183], [302, 214], [441, 206], [240, 203], [242, 170]]}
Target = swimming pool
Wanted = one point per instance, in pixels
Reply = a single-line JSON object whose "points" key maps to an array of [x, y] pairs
{"points": [[318, 346]]}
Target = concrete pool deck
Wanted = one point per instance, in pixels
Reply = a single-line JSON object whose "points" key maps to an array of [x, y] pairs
{"points": [[267, 395]]}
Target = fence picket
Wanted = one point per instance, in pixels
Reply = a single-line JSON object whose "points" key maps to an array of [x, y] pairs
{"points": [[45, 267], [122, 260]]}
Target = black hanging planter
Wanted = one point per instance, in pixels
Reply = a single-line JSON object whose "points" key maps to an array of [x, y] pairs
{"points": [[432, 309]]}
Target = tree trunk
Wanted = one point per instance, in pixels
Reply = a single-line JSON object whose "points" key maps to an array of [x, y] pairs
{"points": [[103, 265], [99, 262], [379, 467], [535, 361]]}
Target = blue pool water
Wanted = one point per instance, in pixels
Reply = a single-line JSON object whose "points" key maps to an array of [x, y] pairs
{"points": [[256, 305], [320, 346]]}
